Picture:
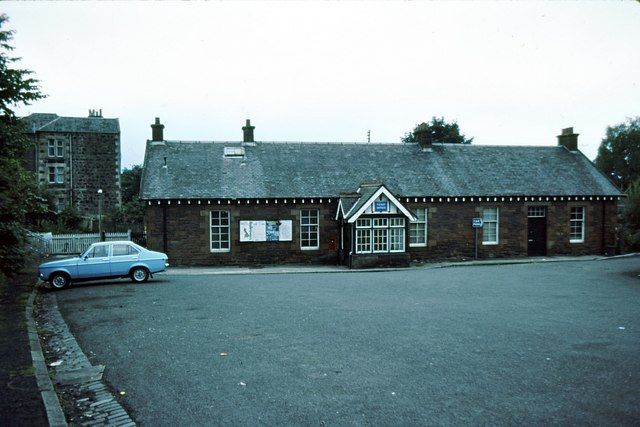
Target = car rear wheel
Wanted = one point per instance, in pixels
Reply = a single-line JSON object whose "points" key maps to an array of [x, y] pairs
{"points": [[59, 280], [139, 275]]}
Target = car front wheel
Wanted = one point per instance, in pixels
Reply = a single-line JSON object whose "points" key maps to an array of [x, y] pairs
{"points": [[139, 275], [59, 280]]}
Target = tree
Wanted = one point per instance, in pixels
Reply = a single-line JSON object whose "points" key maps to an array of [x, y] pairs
{"points": [[130, 184], [18, 192], [131, 214], [440, 131], [631, 217], [619, 153]]}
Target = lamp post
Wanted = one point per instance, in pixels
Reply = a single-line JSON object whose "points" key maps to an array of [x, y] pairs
{"points": [[100, 214]]}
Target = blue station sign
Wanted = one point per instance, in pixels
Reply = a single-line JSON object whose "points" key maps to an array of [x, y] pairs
{"points": [[477, 222], [381, 206]]}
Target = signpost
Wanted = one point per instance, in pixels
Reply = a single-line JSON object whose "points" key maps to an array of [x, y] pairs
{"points": [[476, 223]]}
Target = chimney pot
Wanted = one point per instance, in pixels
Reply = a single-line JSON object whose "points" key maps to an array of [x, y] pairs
{"points": [[247, 132], [568, 139], [157, 131]]}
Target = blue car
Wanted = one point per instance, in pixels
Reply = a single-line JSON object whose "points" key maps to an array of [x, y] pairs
{"points": [[105, 260]]}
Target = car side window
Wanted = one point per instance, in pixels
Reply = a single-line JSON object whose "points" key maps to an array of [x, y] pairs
{"points": [[98, 252], [119, 250]]}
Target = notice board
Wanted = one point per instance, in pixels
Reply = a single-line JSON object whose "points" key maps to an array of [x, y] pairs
{"points": [[266, 231]]}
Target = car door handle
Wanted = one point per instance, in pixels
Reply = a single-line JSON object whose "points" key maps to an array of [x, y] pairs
{"points": [[104, 259]]}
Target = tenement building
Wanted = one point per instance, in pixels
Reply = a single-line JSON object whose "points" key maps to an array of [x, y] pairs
{"points": [[74, 157], [256, 203]]}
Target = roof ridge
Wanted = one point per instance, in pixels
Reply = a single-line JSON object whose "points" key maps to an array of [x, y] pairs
{"points": [[48, 123]]}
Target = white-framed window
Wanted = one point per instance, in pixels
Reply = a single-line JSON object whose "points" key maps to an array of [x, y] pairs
{"points": [[220, 231], [55, 148], [363, 236], [309, 229], [577, 225], [56, 174], [536, 211], [490, 227], [379, 235], [418, 229], [396, 235]]}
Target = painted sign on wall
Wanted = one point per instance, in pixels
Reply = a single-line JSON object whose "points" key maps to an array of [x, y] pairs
{"points": [[266, 231]]}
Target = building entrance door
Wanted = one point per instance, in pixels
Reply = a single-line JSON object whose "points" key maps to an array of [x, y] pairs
{"points": [[537, 231]]}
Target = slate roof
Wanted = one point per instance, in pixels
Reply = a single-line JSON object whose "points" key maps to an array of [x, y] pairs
{"points": [[366, 191], [347, 201], [271, 169], [42, 122]]}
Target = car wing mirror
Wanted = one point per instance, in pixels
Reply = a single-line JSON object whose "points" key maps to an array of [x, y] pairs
{"points": [[85, 257]]}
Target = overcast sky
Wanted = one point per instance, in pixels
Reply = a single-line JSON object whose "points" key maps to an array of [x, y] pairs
{"points": [[508, 72]]}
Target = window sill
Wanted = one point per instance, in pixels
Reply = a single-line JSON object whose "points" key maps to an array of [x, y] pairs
{"points": [[220, 251], [490, 243], [310, 248], [576, 241], [417, 245]]}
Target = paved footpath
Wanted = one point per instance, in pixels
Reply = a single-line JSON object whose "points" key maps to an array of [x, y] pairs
{"points": [[87, 400], [20, 398]]}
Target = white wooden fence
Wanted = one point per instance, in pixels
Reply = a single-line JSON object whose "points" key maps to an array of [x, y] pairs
{"points": [[48, 243]]}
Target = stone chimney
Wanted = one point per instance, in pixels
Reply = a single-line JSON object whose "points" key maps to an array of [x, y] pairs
{"points": [[421, 134], [157, 131], [568, 139], [247, 131]]}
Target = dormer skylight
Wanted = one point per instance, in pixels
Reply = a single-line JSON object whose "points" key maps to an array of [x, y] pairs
{"points": [[234, 152]]}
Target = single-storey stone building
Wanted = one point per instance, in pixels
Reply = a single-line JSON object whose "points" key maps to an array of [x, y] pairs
{"points": [[359, 204]]}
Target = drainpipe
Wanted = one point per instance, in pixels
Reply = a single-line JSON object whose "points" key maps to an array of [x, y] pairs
{"points": [[164, 228], [603, 241]]}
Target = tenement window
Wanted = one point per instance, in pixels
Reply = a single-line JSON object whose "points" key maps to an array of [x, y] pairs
{"points": [[379, 235], [220, 232], [60, 204], [56, 174], [490, 226], [418, 229], [577, 225], [55, 148], [309, 229]]}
